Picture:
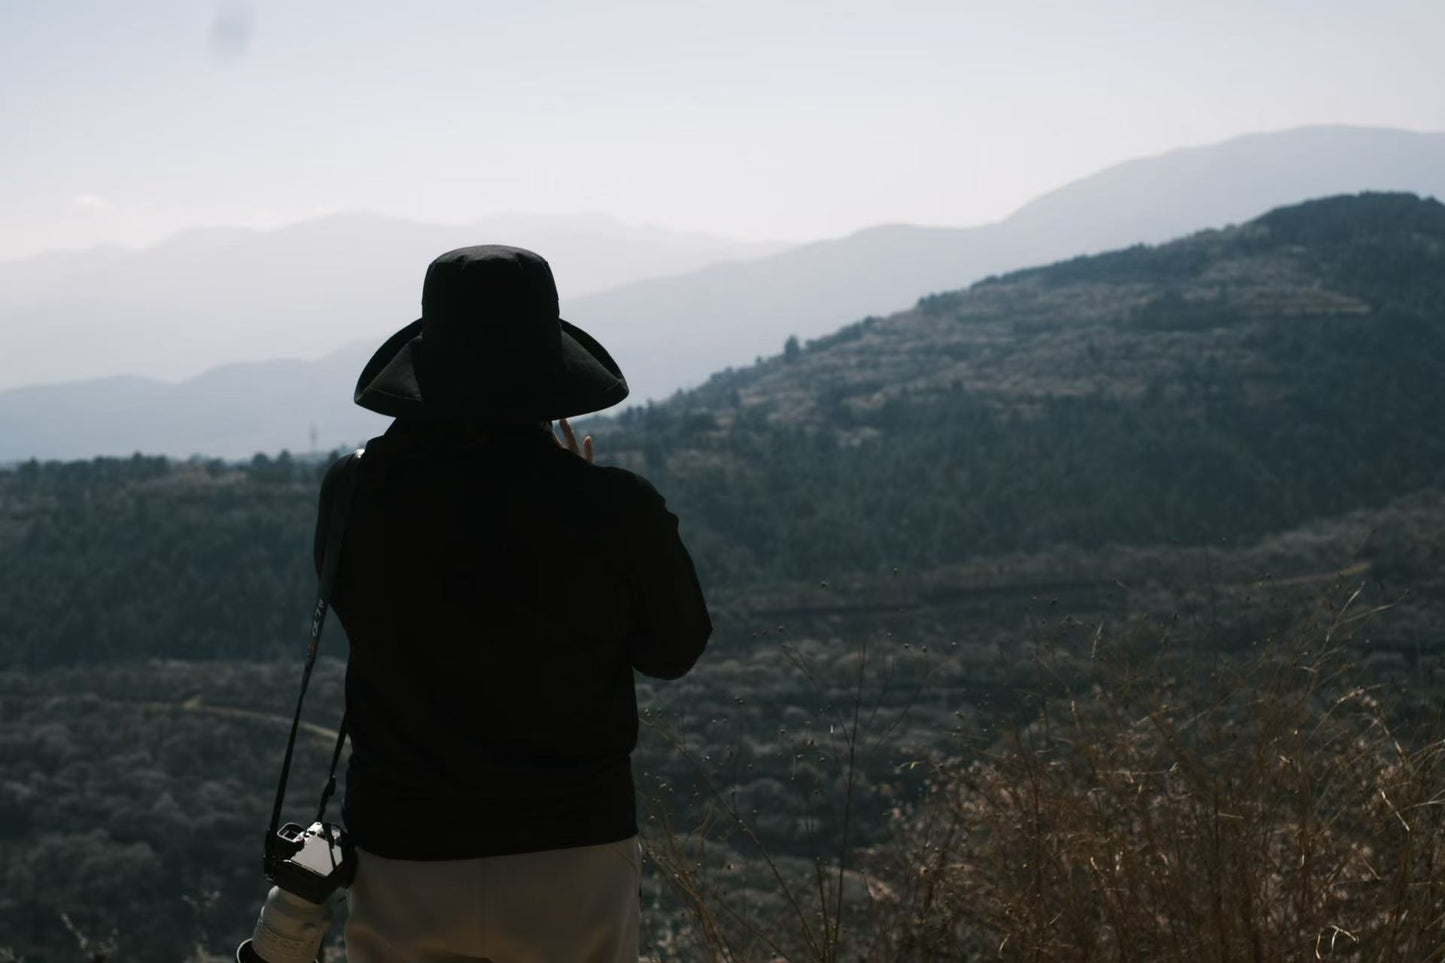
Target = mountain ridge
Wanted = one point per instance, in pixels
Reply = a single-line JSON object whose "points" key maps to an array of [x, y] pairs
{"points": [[1232, 381], [676, 331], [1185, 190], [213, 295]]}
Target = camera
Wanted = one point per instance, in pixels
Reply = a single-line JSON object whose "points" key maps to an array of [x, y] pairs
{"points": [[307, 866]]}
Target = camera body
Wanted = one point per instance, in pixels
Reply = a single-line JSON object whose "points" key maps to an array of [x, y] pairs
{"points": [[313, 862], [307, 865]]}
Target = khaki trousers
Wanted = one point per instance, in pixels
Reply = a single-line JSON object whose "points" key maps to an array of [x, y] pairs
{"points": [[575, 905]]}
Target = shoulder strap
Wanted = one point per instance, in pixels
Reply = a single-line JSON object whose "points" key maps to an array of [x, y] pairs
{"points": [[335, 532]]}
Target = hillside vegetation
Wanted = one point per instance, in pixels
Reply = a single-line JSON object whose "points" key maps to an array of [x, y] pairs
{"points": [[132, 794], [1215, 388], [1207, 391], [992, 582]]}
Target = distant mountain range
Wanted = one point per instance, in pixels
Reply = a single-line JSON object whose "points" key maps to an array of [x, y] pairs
{"points": [[673, 332], [225, 295], [666, 332], [231, 411]]}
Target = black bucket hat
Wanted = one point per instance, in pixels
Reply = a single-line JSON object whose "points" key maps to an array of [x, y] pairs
{"points": [[489, 346]]}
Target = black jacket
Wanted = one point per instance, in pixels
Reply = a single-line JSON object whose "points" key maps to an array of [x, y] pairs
{"points": [[498, 592]]}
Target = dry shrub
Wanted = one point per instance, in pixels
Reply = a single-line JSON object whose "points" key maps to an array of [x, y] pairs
{"points": [[1261, 811], [1264, 807]]}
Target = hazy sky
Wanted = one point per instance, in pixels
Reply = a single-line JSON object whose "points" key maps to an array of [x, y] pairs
{"points": [[124, 122]]}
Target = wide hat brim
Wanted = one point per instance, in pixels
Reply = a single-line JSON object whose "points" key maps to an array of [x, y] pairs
{"points": [[580, 378]]}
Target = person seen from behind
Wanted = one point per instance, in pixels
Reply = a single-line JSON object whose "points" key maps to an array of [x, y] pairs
{"points": [[498, 589]]}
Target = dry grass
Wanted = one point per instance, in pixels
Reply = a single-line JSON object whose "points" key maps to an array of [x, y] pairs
{"points": [[1262, 810], [741, 901]]}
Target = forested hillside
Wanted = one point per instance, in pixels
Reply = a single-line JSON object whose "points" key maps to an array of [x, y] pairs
{"points": [[132, 795], [1219, 387], [1207, 391], [119, 558], [1152, 463]]}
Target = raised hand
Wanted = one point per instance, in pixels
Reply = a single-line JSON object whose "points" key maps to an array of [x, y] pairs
{"points": [[570, 442]]}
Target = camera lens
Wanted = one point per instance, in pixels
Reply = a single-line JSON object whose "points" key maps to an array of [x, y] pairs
{"points": [[290, 930]]}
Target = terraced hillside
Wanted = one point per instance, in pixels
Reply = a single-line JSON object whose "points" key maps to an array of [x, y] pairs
{"points": [[1222, 386]]}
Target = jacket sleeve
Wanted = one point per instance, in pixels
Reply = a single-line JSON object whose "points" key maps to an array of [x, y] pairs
{"points": [[671, 623], [323, 510]]}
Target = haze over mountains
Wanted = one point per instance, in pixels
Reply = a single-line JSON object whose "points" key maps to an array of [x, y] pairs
{"points": [[666, 332], [224, 295], [727, 314]]}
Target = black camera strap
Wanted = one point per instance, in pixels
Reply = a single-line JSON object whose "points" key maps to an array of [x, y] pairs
{"points": [[346, 483]]}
